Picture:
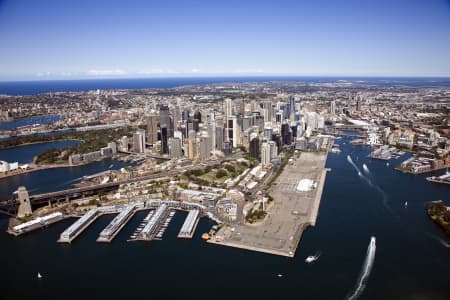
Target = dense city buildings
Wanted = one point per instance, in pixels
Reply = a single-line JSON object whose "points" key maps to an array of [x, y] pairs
{"points": [[222, 146]]}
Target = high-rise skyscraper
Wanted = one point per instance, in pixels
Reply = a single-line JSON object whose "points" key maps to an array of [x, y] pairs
{"points": [[192, 149], [175, 148], [233, 131], [286, 134], [152, 128], [332, 107], [205, 147], [124, 144], [212, 131], [227, 108], [165, 120], [139, 141], [241, 106], [358, 104], [292, 103], [268, 152], [254, 147], [184, 115], [268, 131], [267, 111], [198, 116], [164, 141], [219, 137], [195, 125]]}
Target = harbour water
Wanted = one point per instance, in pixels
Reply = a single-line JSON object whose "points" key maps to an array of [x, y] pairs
{"points": [[43, 181], [42, 120], [411, 260], [25, 154]]}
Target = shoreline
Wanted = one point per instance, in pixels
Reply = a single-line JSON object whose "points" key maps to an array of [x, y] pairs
{"points": [[422, 172], [40, 142], [33, 169], [45, 167]]}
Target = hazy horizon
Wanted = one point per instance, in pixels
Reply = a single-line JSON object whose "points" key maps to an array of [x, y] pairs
{"points": [[232, 76]]}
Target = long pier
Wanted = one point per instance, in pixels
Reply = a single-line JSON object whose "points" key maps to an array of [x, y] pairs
{"points": [[71, 233], [113, 228], [190, 224], [156, 221], [150, 229]]}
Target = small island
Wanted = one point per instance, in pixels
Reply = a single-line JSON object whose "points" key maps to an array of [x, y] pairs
{"points": [[440, 214]]}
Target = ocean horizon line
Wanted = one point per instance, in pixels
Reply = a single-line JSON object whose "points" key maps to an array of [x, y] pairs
{"points": [[239, 76]]}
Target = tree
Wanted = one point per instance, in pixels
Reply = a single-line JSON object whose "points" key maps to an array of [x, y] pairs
{"points": [[230, 168], [221, 173]]}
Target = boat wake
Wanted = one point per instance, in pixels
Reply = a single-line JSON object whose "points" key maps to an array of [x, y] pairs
{"points": [[350, 160], [370, 183], [70, 181], [366, 169], [313, 258], [438, 239], [365, 272]]}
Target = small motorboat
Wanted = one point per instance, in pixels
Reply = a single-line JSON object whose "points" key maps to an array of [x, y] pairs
{"points": [[280, 275], [406, 203], [312, 258]]}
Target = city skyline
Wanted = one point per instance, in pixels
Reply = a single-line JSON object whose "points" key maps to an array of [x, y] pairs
{"points": [[96, 39]]}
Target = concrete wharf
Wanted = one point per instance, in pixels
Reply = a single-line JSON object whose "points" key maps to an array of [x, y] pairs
{"points": [[190, 224], [114, 227]]}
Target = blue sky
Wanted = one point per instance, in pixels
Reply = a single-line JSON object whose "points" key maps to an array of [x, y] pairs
{"points": [[54, 39]]}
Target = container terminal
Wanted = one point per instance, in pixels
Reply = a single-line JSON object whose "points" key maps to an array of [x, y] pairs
{"points": [[190, 224]]}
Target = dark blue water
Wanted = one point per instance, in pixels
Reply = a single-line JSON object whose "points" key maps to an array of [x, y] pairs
{"points": [[44, 181], [25, 154], [411, 261], [43, 120], [38, 87]]}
